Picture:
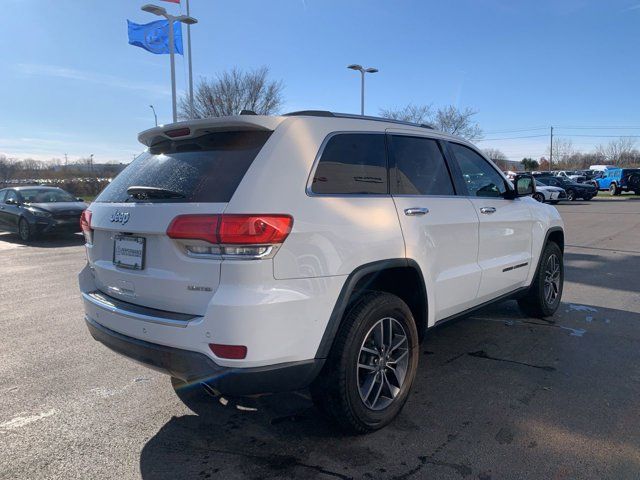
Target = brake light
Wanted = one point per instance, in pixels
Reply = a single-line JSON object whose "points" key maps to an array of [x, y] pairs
{"points": [[234, 235], [233, 352], [254, 229], [179, 132], [85, 226], [195, 227]]}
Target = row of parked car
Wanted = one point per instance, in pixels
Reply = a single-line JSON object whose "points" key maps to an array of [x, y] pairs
{"points": [[583, 184]]}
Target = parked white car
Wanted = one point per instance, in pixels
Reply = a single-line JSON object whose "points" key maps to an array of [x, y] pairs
{"points": [[259, 254], [572, 175], [549, 194]]}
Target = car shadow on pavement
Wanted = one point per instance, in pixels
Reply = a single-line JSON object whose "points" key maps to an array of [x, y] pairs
{"points": [[49, 241], [584, 265], [497, 395]]}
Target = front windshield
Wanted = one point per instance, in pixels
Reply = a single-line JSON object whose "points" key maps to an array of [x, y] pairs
{"points": [[45, 195]]}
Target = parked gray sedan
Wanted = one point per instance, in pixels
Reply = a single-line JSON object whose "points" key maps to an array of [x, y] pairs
{"points": [[34, 210]]}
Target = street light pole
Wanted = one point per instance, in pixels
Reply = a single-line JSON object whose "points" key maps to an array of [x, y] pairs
{"points": [[154, 114], [190, 65], [362, 71], [171, 19]]}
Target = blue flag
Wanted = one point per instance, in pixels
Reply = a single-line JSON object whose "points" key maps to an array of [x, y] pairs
{"points": [[154, 36]]}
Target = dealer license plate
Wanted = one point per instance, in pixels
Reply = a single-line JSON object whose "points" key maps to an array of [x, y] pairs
{"points": [[128, 252]]}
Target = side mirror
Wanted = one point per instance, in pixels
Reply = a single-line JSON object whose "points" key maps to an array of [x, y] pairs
{"points": [[11, 201], [525, 185], [80, 199]]}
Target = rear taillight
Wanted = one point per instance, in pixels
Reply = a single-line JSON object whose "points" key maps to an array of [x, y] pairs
{"points": [[254, 229], [85, 226], [239, 236], [195, 227]]}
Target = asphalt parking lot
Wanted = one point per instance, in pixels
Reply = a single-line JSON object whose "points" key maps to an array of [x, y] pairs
{"points": [[497, 395]]}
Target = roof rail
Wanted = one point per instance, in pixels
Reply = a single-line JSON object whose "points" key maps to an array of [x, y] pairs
{"points": [[326, 113]]}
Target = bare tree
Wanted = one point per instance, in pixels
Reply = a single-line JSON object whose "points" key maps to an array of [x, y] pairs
{"points": [[8, 169], [619, 151], [497, 157], [494, 154], [410, 113], [562, 151], [233, 91], [448, 119], [458, 122]]}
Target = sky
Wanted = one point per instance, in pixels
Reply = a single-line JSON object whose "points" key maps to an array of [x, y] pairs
{"points": [[70, 83]]}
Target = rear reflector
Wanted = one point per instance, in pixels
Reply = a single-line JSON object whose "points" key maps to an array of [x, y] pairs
{"points": [[233, 352], [179, 132], [85, 226], [232, 229]]}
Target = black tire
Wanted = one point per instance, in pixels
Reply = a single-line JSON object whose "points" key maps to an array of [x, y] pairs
{"points": [[337, 391], [537, 302], [554, 202], [613, 189], [538, 197], [24, 230], [571, 195], [587, 197]]}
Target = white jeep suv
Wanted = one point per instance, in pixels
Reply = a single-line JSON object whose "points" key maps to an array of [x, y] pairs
{"points": [[258, 254]]}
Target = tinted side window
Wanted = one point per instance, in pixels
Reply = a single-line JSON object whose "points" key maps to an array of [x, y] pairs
{"points": [[352, 163], [420, 168], [481, 178], [11, 194]]}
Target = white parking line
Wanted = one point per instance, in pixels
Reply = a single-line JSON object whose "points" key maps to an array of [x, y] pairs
{"points": [[19, 422]]}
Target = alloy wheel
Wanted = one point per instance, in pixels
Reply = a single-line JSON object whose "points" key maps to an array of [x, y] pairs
{"points": [[383, 362], [552, 279], [23, 230]]}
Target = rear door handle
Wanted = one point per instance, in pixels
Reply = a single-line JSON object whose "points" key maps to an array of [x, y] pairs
{"points": [[488, 210], [414, 211]]}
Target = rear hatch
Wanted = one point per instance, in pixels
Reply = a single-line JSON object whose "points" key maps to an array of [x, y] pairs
{"points": [[132, 256]]}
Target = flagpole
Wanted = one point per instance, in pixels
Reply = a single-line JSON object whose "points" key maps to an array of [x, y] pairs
{"points": [[173, 70], [190, 66], [156, 10]]}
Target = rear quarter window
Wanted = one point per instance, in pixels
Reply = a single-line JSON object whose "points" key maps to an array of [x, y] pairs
{"points": [[204, 169], [352, 163]]}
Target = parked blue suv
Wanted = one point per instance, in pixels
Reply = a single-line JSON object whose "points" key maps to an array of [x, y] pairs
{"points": [[618, 180]]}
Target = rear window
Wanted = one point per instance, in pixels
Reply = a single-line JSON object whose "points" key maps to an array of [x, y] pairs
{"points": [[352, 163], [205, 169], [45, 195]]}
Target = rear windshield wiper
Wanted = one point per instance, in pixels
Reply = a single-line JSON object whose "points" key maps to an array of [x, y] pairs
{"points": [[143, 193]]}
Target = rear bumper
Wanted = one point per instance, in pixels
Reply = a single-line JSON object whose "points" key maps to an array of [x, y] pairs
{"points": [[192, 366]]}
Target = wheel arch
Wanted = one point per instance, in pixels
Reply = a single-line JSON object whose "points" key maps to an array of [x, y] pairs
{"points": [[556, 235], [398, 276]]}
